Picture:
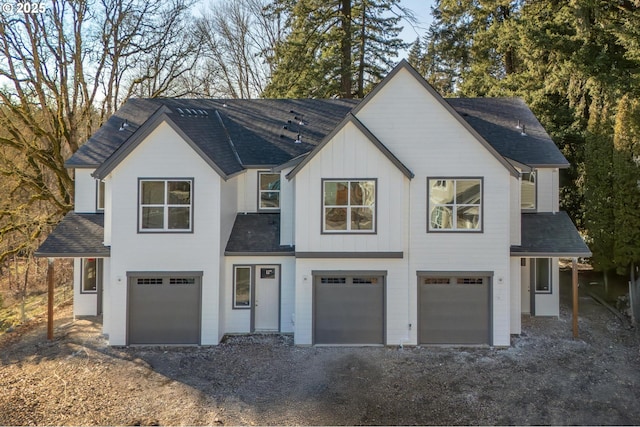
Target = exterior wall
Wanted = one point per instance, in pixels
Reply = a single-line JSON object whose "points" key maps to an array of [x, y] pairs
{"points": [[516, 297], [432, 143], [228, 204], [549, 304], [515, 212], [106, 296], [108, 211], [349, 155], [84, 304], [248, 191], [85, 191], [239, 320], [525, 287], [400, 305], [164, 155], [548, 189], [287, 209]]}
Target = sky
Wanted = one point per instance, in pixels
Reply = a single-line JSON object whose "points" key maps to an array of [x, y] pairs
{"points": [[422, 11]]}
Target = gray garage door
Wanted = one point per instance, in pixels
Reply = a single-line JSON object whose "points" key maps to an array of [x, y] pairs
{"points": [[453, 310], [164, 309], [348, 309]]}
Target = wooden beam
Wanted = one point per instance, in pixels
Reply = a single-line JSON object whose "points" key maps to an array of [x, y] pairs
{"points": [[50, 287], [574, 287]]}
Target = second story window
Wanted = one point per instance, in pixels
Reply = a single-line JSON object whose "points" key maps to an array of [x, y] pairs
{"points": [[165, 205], [269, 191], [349, 206], [528, 191], [455, 204]]}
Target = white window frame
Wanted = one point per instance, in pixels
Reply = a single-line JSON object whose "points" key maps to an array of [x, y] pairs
{"points": [[349, 207], [442, 182], [261, 191], [235, 305], [165, 205]]}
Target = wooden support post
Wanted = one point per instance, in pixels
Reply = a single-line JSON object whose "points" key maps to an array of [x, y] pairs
{"points": [[50, 279], [574, 279]]}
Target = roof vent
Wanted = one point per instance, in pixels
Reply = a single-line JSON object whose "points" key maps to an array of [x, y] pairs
{"points": [[518, 126], [124, 125], [523, 132], [298, 139]]}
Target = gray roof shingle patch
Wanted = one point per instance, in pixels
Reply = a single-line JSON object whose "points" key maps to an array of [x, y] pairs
{"points": [[547, 234], [496, 120], [210, 136], [77, 235], [108, 138], [256, 233], [255, 127]]}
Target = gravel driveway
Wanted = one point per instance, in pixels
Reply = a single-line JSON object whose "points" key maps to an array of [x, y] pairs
{"points": [[546, 377]]}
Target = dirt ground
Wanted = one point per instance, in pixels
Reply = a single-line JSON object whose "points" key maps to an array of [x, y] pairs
{"points": [[546, 377]]}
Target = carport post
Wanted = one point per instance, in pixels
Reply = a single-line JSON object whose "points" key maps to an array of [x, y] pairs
{"points": [[50, 299], [574, 279]]}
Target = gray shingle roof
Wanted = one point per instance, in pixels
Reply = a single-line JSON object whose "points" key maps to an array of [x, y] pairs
{"points": [[255, 129], [108, 138], [495, 119], [77, 235], [256, 234], [547, 234]]}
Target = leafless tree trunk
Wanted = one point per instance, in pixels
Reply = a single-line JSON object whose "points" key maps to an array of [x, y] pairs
{"points": [[238, 39], [63, 72]]}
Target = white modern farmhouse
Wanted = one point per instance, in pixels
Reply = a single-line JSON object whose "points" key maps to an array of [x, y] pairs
{"points": [[402, 218]]}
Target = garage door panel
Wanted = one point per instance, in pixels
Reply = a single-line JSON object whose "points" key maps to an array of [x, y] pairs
{"points": [[349, 313], [454, 314], [162, 312]]}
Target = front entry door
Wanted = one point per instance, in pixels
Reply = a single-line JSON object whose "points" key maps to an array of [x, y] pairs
{"points": [[267, 302]]}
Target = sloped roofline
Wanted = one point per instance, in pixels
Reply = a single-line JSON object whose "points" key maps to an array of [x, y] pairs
{"points": [[350, 118], [159, 117], [404, 65]]}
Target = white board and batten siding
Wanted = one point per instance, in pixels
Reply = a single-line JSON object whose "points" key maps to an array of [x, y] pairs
{"points": [[426, 138], [238, 320], [85, 197], [84, 303], [163, 154], [548, 188], [350, 155], [399, 308], [287, 208]]}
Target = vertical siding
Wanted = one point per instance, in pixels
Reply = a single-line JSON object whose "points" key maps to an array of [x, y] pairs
{"points": [[515, 211], [248, 191], [549, 304], [287, 209], [228, 206], [432, 143], [85, 191], [516, 298], [108, 211], [349, 155], [239, 320], [399, 305], [165, 155], [548, 189], [83, 304]]}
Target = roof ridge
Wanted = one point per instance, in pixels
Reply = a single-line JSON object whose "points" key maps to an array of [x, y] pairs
{"points": [[229, 140]]}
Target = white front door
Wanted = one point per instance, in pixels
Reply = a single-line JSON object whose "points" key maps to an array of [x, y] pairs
{"points": [[267, 302]]}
